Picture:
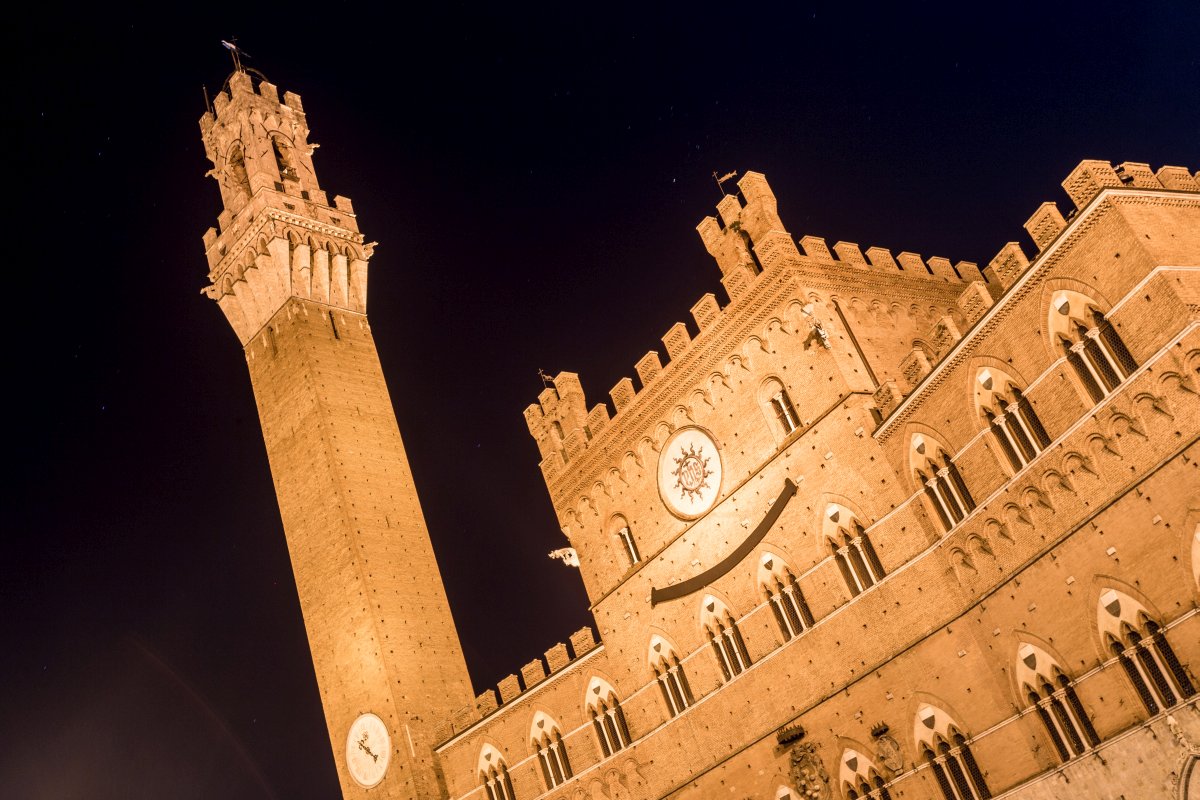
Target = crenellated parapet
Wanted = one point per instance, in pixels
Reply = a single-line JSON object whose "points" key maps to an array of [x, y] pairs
{"points": [[1050, 231], [277, 235], [512, 688], [560, 423], [777, 287]]}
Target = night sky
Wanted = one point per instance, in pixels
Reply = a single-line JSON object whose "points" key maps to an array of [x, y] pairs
{"points": [[534, 178]]}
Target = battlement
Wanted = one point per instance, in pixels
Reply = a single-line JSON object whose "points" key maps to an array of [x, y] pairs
{"points": [[548, 666], [1045, 226], [278, 235], [748, 237]]}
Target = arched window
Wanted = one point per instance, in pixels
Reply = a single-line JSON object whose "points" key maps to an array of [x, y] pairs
{"points": [[668, 673], [546, 739], [608, 720], [283, 158], [725, 638], [860, 778], [781, 404], [778, 406], [852, 549], [1090, 343], [624, 536], [1010, 416], [1142, 649], [944, 485], [493, 775], [238, 178], [1052, 693], [784, 596], [948, 752]]}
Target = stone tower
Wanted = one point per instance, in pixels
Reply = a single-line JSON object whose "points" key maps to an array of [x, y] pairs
{"points": [[289, 270]]}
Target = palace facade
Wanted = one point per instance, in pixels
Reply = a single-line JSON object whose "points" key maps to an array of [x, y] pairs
{"points": [[879, 526]]}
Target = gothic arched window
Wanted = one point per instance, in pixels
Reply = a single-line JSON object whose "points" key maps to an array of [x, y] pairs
{"points": [[608, 720], [948, 753], [493, 775], [942, 482], [1141, 648], [1052, 693], [725, 638], [852, 549], [860, 778], [1011, 417], [1091, 345], [784, 596], [547, 741], [669, 675]]}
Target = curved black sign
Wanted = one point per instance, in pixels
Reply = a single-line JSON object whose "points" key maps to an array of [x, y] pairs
{"points": [[698, 582]]}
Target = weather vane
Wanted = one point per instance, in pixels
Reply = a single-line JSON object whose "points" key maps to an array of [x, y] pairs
{"points": [[545, 378], [236, 53], [721, 180]]}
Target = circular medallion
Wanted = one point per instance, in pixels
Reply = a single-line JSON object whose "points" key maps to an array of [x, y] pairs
{"points": [[368, 749], [689, 472]]}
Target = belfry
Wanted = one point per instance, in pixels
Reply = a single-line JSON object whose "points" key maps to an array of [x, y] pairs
{"points": [[289, 270]]}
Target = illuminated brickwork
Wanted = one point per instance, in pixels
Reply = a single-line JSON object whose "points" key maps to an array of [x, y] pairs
{"points": [[966, 505], [952, 549], [290, 272]]}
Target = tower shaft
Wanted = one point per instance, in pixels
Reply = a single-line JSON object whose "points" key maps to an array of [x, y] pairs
{"points": [[289, 272]]}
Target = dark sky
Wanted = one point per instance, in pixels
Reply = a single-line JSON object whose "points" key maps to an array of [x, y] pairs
{"points": [[534, 179]]}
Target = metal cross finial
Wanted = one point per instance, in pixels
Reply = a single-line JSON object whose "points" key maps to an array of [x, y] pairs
{"points": [[721, 180], [235, 52]]}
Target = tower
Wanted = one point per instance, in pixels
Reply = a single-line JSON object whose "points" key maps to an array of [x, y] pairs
{"points": [[289, 271]]}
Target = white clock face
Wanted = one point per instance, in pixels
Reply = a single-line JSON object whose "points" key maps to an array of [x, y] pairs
{"points": [[689, 472], [368, 749]]}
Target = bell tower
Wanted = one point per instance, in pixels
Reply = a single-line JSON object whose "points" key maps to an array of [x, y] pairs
{"points": [[289, 271]]}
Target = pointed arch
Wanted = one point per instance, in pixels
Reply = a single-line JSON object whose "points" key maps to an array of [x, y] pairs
{"points": [[235, 169], [783, 594], [546, 740], [935, 471], [1047, 687], [942, 743], [669, 675], [1079, 329], [860, 778], [776, 405], [608, 720], [851, 547], [1141, 647], [724, 636], [1001, 404], [492, 770]]}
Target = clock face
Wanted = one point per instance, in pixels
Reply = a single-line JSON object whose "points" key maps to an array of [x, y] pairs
{"points": [[368, 749], [689, 472]]}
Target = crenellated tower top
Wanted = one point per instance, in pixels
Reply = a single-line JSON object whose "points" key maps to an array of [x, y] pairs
{"points": [[278, 236]]}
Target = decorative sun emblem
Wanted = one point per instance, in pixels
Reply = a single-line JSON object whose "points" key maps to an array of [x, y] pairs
{"points": [[691, 472]]}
